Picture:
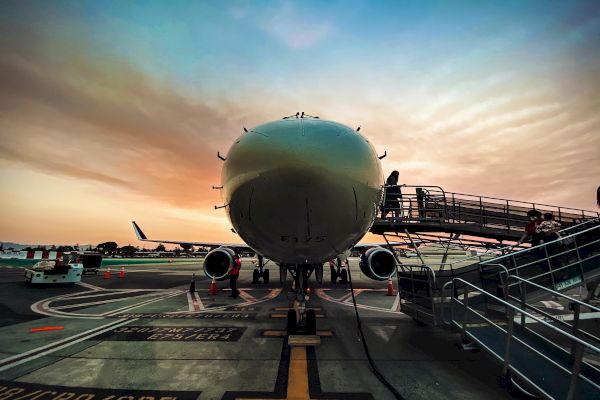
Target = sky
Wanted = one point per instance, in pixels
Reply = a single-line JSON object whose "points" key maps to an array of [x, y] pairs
{"points": [[114, 111]]}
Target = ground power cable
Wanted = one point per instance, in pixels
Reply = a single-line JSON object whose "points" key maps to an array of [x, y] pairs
{"points": [[374, 368]]}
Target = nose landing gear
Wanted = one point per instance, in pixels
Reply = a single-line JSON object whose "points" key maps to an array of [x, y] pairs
{"points": [[260, 272], [300, 320]]}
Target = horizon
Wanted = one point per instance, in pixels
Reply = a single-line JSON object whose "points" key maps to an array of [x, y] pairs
{"points": [[114, 111]]}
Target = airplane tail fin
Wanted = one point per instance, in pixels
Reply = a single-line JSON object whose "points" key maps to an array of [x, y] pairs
{"points": [[138, 232]]}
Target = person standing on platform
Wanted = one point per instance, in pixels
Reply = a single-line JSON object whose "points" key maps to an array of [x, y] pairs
{"points": [[535, 218], [548, 228], [234, 273], [392, 195]]}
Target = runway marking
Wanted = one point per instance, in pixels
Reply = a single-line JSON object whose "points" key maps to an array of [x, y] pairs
{"points": [[87, 285], [321, 293], [348, 297], [93, 303], [246, 296], [30, 355], [273, 294], [194, 302], [280, 315], [44, 306], [396, 305], [127, 308], [298, 375], [280, 333], [104, 293], [301, 382]]}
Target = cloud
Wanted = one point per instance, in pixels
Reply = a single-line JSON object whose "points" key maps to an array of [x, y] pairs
{"points": [[295, 29], [97, 118]]}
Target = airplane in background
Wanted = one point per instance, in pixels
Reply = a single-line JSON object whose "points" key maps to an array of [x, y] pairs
{"points": [[299, 191]]}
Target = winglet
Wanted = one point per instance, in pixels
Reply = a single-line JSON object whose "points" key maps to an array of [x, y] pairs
{"points": [[138, 232]]}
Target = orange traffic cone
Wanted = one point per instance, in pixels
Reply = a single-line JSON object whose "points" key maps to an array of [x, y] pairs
{"points": [[213, 287], [107, 273], [122, 272], [390, 287]]}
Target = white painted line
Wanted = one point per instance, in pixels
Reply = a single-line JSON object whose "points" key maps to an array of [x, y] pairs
{"points": [[70, 343], [396, 306], [552, 304], [321, 293], [273, 294], [93, 303], [73, 337], [127, 308], [190, 302], [198, 302], [87, 285], [562, 317], [107, 292], [247, 297]]}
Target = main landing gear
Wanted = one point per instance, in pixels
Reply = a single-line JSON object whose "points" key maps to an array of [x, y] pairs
{"points": [[260, 272], [299, 319], [338, 271]]}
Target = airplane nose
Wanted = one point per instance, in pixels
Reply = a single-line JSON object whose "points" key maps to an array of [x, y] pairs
{"points": [[290, 183]]}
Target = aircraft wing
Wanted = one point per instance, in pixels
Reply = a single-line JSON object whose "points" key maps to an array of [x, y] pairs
{"points": [[142, 236]]}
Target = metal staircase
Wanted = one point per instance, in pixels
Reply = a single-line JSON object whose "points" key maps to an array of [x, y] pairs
{"points": [[495, 304]]}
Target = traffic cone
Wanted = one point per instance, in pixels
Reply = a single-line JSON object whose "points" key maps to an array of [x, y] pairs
{"points": [[122, 272], [107, 273], [213, 287], [390, 287]]}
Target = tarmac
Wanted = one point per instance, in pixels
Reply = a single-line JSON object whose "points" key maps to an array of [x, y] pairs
{"points": [[145, 336]]}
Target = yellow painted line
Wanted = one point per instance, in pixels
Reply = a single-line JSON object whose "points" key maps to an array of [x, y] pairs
{"points": [[278, 333], [297, 388], [279, 315]]}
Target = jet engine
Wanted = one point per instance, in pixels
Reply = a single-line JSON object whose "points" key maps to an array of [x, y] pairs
{"points": [[380, 264], [218, 261]]}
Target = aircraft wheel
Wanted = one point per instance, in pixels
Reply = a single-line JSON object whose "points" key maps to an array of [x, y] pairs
{"points": [[311, 322], [291, 328], [266, 276], [333, 275], [344, 276], [255, 276], [282, 274], [319, 273]]}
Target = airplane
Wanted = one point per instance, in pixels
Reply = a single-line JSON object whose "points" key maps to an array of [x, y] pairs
{"points": [[299, 191]]}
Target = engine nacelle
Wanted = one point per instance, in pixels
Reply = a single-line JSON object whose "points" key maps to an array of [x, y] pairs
{"points": [[378, 263], [218, 261]]}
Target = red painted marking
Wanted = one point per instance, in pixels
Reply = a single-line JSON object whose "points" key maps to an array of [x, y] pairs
{"points": [[30, 253], [47, 328], [45, 254]]}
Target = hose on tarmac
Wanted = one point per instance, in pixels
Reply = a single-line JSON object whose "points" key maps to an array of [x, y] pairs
{"points": [[374, 368]]}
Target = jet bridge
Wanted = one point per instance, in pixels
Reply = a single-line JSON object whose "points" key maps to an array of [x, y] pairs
{"points": [[411, 208], [494, 303]]}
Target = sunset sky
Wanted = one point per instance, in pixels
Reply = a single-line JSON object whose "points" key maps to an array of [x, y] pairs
{"points": [[113, 111]]}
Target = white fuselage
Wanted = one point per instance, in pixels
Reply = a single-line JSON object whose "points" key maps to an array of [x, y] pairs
{"points": [[301, 190]]}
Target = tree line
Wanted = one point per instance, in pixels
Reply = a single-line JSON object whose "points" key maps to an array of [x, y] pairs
{"points": [[112, 248]]}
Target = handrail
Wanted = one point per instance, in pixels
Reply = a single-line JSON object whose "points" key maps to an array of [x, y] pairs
{"points": [[507, 304], [554, 293], [421, 266], [527, 203], [586, 222], [543, 244]]}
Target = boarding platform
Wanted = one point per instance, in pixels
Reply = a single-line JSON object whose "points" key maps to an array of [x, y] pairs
{"points": [[524, 308], [431, 209]]}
